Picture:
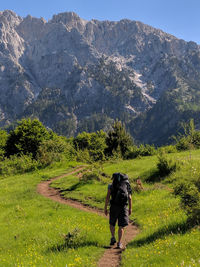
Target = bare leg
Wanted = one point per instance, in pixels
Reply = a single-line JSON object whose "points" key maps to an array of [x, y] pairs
{"points": [[120, 234], [112, 230]]}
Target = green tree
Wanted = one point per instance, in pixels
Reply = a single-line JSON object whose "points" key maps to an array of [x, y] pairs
{"points": [[94, 143], [118, 139], [98, 145], [55, 149], [82, 141], [190, 139], [3, 139], [190, 199], [27, 137]]}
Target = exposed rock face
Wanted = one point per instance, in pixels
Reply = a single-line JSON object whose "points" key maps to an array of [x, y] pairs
{"points": [[75, 74]]}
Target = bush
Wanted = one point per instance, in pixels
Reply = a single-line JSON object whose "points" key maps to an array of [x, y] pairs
{"points": [[190, 200], [189, 142], [141, 151], [54, 150], [97, 146], [90, 177], [26, 138], [184, 144], [17, 165], [197, 183], [3, 140], [168, 149], [72, 239], [82, 141], [83, 156], [190, 139], [188, 192], [166, 166], [118, 140], [146, 150], [93, 144]]}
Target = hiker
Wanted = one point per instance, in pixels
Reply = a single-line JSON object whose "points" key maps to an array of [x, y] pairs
{"points": [[119, 194]]}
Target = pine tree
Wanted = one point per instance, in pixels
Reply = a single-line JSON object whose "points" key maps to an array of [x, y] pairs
{"points": [[118, 139]]}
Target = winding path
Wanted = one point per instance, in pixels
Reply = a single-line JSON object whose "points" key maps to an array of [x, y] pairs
{"points": [[112, 255]]}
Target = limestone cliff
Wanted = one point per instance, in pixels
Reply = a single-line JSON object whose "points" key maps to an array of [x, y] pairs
{"points": [[75, 74]]}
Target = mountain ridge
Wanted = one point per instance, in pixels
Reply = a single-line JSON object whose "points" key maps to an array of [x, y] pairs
{"points": [[101, 71]]}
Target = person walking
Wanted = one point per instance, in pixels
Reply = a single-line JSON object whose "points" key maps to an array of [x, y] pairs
{"points": [[119, 195]]}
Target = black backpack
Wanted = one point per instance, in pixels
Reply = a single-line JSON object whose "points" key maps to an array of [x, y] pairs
{"points": [[119, 190]]}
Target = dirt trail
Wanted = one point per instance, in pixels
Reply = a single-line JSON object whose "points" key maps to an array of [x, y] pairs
{"points": [[112, 255]]}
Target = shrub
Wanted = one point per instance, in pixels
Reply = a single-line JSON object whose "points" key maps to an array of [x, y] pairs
{"points": [[90, 177], [83, 156], [166, 166], [26, 138], [142, 150], [118, 139], [184, 144], [190, 139], [146, 150], [82, 141], [3, 140], [190, 200], [97, 155], [72, 239], [196, 139], [17, 165], [188, 192], [93, 144], [53, 150], [168, 149], [97, 145], [197, 183]]}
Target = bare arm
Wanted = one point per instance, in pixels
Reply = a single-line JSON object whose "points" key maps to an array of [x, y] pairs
{"points": [[106, 202], [130, 204]]}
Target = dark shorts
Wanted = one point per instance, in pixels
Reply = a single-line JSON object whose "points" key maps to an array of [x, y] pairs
{"points": [[120, 214]]}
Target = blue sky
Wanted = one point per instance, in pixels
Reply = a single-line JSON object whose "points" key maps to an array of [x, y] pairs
{"points": [[178, 17]]}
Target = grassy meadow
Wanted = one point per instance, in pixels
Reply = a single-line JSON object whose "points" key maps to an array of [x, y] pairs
{"points": [[35, 231], [165, 237]]}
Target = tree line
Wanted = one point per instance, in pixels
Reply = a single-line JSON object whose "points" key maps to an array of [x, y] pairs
{"points": [[36, 146]]}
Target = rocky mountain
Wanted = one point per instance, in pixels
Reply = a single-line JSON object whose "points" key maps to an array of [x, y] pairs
{"points": [[77, 75]]}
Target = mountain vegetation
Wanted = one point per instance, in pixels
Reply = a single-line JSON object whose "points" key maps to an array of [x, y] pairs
{"points": [[31, 144]]}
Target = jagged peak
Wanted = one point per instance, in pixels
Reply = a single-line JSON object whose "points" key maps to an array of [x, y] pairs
{"points": [[9, 14], [30, 18], [66, 17], [126, 21]]}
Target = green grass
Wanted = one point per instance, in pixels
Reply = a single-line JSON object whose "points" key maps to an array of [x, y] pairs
{"points": [[133, 168], [161, 220], [190, 168], [165, 239], [32, 228], [91, 193], [172, 250]]}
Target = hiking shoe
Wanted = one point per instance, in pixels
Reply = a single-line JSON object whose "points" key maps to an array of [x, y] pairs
{"points": [[119, 245], [112, 241]]}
